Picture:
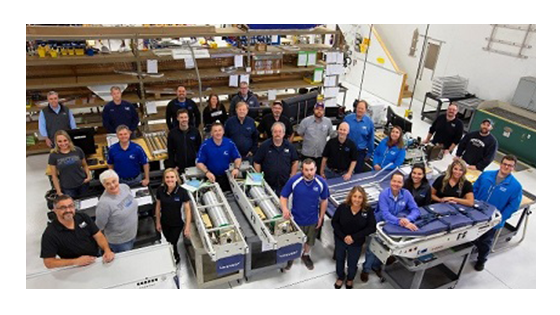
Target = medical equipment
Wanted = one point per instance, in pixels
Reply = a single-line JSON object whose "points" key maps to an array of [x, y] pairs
{"points": [[261, 207]]}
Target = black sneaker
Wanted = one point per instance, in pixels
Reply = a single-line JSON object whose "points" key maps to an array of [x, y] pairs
{"points": [[479, 266], [307, 261], [289, 265]]}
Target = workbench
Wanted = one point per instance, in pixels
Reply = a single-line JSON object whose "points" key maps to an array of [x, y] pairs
{"points": [[432, 115]]}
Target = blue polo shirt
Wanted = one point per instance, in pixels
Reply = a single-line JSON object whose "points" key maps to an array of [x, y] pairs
{"points": [[276, 162], [361, 132], [122, 114], [217, 157], [306, 198], [244, 135], [127, 163]]}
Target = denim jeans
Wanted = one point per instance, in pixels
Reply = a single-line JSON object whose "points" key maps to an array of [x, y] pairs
{"points": [[122, 247], [132, 182], [332, 174], [76, 192], [361, 163], [342, 250], [484, 244], [372, 262]]}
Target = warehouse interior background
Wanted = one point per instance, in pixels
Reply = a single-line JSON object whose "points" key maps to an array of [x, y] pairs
{"points": [[491, 76]]}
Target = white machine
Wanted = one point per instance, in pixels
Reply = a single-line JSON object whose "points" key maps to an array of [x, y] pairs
{"points": [[214, 219], [384, 245], [151, 267], [261, 207]]}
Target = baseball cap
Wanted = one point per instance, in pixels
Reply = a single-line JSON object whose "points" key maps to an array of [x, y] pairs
{"points": [[319, 104], [488, 120]]}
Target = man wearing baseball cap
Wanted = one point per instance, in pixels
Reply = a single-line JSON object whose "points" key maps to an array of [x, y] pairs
{"points": [[265, 127], [315, 130], [478, 148]]}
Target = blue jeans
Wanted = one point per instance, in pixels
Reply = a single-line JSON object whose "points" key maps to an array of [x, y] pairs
{"points": [[372, 262], [341, 250], [131, 182], [484, 244], [332, 174], [122, 247], [76, 192], [361, 163]]}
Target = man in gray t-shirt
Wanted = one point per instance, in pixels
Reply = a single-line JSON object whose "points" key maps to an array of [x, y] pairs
{"points": [[315, 131], [117, 216]]}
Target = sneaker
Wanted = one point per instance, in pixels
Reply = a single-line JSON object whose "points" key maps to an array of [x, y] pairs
{"points": [[364, 276], [378, 273], [289, 265], [479, 266], [307, 261]]}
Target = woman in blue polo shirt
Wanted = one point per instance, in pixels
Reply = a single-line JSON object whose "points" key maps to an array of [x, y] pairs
{"points": [[390, 150], [170, 199]]}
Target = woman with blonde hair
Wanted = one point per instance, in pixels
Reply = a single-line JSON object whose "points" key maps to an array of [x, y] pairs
{"points": [[69, 170], [453, 186], [170, 199], [352, 222]]}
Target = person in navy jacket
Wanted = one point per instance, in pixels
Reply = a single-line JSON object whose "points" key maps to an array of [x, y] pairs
{"points": [[502, 190], [119, 112], [390, 150], [394, 202]]}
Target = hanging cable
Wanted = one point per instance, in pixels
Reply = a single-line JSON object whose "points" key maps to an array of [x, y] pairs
{"points": [[198, 78], [419, 66], [365, 63]]}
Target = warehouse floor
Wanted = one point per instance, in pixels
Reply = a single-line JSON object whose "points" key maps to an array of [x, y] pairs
{"points": [[514, 268]]}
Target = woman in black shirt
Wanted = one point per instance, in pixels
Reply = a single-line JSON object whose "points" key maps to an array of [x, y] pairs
{"points": [[418, 185], [214, 111], [453, 186], [171, 198], [352, 222]]}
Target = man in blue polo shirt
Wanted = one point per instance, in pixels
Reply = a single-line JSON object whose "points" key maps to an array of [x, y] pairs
{"points": [[362, 132], [309, 204], [502, 190], [128, 159], [216, 154], [119, 112], [277, 158], [242, 130]]}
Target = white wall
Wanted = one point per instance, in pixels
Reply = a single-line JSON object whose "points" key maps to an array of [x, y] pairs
{"points": [[491, 76]]}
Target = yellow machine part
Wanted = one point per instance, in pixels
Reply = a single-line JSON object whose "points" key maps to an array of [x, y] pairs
{"points": [[206, 220], [260, 213]]}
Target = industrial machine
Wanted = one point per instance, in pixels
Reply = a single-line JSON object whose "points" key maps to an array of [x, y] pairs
{"points": [[216, 224], [124, 272], [261, 207]]}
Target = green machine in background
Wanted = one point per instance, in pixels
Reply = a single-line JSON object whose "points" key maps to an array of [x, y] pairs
{"points": [[514, 128]]}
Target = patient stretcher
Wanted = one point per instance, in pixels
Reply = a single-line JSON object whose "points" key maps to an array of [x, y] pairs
{"points": [[440, 226]]}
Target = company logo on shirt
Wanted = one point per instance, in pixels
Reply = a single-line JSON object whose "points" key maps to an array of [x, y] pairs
{"points": [[422, 195], [364, 127], [82, 225], [286, 150], [192, 138], [477, 143], [346, 149], [226, 153], [127, 108], [364, 214], [453, 125], [392, 152], [177, 199], [248, 128], [503, 189], [132, 157], [402, 203], [315, 188]]}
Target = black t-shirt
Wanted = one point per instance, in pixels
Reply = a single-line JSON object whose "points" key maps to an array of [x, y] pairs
{"points": [[357, 225], [450, 191], [422, 195], [210, 116], [171, 205], [68, 244], [446, 132], [340, 155], [267, 122], [69, 167]]}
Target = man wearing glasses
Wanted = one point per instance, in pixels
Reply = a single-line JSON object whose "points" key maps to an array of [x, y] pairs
{"points": [[502, 190], [73, 237]]}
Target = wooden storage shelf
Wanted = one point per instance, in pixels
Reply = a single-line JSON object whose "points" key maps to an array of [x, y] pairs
{"points": [[66, 82], [131, 98]]}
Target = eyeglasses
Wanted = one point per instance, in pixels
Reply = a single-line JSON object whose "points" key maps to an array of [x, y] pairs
{"points": [[508, 165], [64, 208]]}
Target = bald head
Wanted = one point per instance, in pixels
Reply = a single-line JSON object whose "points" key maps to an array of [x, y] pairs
{"points": [[343, 130]]}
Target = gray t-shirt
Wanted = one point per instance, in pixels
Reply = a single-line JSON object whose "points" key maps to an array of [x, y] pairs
{"points": [[69, 167], [314, 135], [117, 215]]}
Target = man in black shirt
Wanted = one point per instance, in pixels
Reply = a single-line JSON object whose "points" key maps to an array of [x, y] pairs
{"points": [[73, 237], [448, 129], [181, 102], [276, 115], [478, 148], [277, 158], [183, 143], [340, 155]]}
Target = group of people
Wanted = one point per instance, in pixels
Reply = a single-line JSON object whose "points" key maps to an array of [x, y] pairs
{"points": [[76, 239]]}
